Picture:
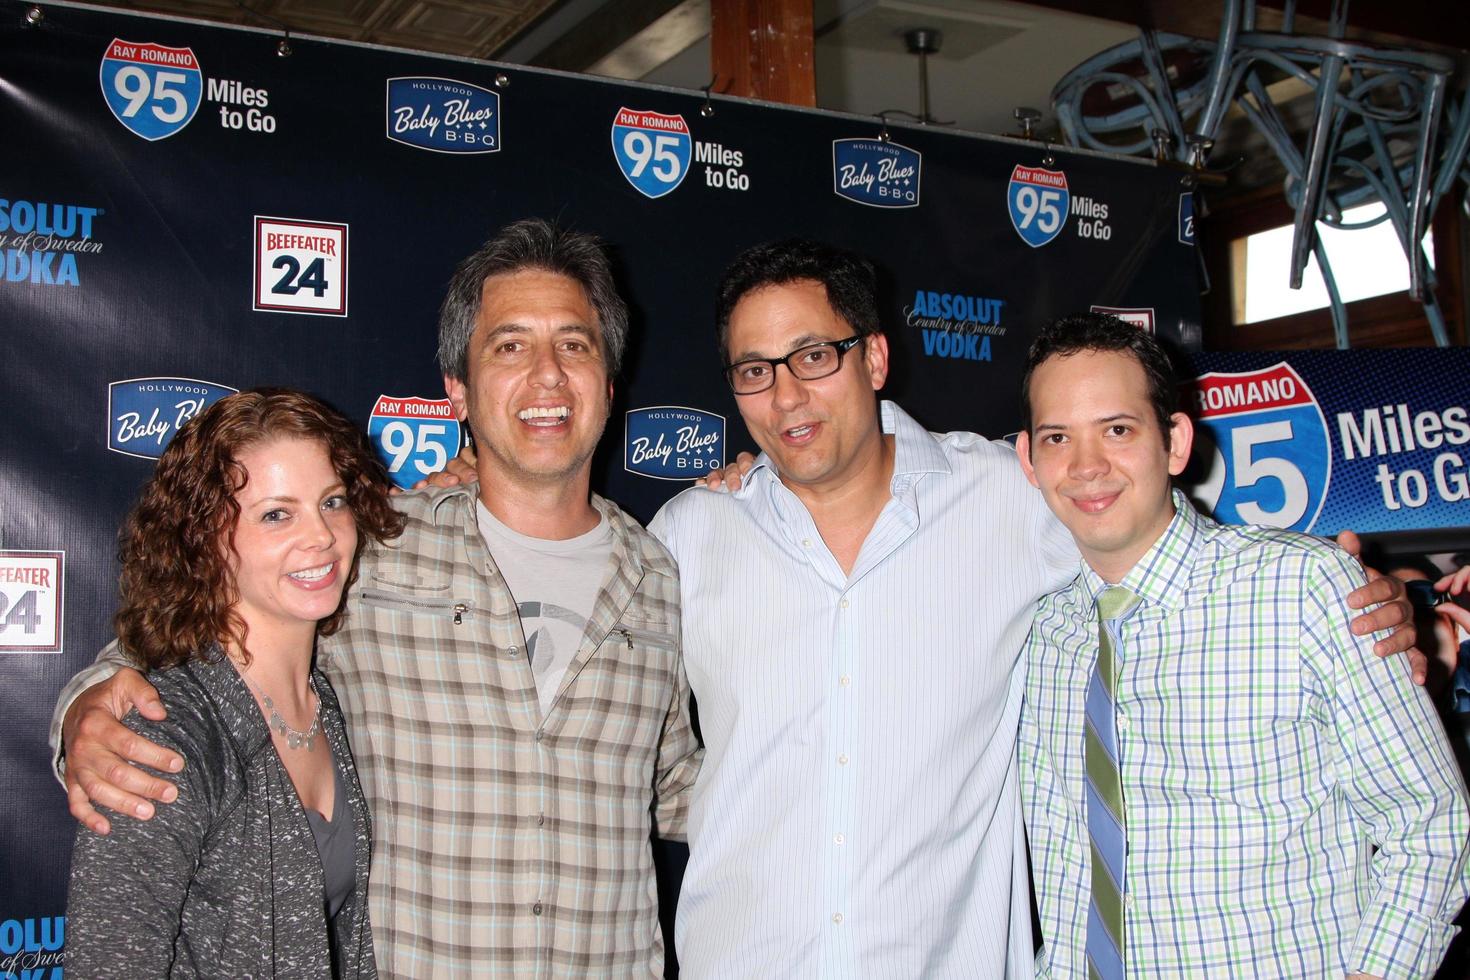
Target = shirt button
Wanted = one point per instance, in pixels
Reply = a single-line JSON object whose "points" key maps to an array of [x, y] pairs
{"points": [[839, 840], [540, 734], [1128, 902], [837, 918], [540, 819], [842, 759], [536, 909], [806, 542], [845, 680], [1123, 722], [513, 651], [843, 603]]}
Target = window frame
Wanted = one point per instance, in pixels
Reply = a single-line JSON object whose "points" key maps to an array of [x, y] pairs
{"points": [[1392, 320]]}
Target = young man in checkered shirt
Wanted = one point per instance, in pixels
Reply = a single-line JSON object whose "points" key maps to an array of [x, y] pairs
{"points": [[1283, 803]]}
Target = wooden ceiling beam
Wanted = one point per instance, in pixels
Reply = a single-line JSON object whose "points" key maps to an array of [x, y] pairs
{"points": [[764, 49]]}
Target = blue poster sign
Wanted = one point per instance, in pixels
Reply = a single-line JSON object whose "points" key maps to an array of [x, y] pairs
{"points": [[1323, 441], [671, 442], [1270, 461], [443, 114], [1038, 201], [145, 413], [153, 90], [878, 173], [413, 436], [652, 149]]}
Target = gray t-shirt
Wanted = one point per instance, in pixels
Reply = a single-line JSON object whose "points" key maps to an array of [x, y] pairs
{"points": [[555, 584]]}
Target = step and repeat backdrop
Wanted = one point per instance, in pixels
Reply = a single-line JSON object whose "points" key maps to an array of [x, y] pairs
{"points": [[185, 212], [1373, 441]]}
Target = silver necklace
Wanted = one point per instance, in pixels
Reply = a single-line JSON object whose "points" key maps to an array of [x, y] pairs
{"points": [[295, 739]]}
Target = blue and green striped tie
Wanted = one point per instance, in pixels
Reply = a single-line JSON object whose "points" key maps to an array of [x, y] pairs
{"points": [[1105, 822]]}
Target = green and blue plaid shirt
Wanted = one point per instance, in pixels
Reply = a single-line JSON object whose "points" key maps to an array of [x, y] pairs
{"points": [[1265, 751]]}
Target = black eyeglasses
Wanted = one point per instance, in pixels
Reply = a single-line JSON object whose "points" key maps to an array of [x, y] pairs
{"points": [[756, 374]]}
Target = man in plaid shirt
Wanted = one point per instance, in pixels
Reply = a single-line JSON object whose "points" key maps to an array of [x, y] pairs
{"points": [[1286, 804], [513, 781]]}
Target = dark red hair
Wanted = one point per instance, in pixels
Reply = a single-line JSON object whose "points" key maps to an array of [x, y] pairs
{"points": [[178, 593]]}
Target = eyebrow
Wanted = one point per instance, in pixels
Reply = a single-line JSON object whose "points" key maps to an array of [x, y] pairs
{"points": [[805, 340], [1104, 420], [521, 328]]}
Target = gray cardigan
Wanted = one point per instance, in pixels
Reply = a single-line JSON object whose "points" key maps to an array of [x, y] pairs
{"points": [[226, 881]]}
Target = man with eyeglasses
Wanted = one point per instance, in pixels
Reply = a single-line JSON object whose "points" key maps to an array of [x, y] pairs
{"points": [[853, 620]]}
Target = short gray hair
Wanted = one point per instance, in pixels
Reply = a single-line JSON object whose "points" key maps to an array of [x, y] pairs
{"points": [[531, 243]]}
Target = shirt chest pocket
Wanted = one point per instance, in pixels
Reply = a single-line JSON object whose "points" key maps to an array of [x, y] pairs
{"points": [[431, 643], [635, 667]]}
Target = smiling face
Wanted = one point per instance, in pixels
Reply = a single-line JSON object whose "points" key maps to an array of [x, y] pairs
{"points": [[1096, 453], [537, 391], [819, 433], [294, 541]]}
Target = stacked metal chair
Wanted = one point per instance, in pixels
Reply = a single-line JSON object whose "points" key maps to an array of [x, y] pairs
{"points": [[1383, 127]]}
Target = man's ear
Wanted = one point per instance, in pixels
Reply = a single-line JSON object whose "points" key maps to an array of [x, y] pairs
{"points": [[1181, 440], [455, 389], [1023, 453], [875, 353]]}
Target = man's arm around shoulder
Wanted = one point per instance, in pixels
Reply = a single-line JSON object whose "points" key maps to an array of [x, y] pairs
{"points": [[95, 755], [1400, 779]]}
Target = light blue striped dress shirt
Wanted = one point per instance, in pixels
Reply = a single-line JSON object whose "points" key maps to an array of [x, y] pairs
{"points": [[857, 814]]}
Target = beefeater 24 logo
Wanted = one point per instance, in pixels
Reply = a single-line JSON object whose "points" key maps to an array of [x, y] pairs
{"points": [[300, 266], [31, 609]]}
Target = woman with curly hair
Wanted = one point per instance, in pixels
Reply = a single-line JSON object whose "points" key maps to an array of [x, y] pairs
{"points": [[235, 558]]}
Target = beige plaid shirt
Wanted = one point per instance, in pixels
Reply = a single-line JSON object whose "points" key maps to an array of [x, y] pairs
{"points": [[508, 845]]}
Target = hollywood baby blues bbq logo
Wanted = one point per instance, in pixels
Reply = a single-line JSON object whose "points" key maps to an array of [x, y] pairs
{"points": [[652, 149], [444, 115], [152, 89], [878, 173], [1271, 462], [144, 413], [414, 436], [671, 442]]}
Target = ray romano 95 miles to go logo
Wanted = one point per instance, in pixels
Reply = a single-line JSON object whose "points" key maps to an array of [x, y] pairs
{"points": [[670, 442]]}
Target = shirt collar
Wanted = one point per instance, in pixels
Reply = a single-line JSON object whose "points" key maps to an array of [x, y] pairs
{"points": [[916, 451], [460, 491], [464, 513], [1162, 573]]}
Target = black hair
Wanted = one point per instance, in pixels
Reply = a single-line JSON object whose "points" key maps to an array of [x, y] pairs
{"points": [[850, 281], [1082, 332]]}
